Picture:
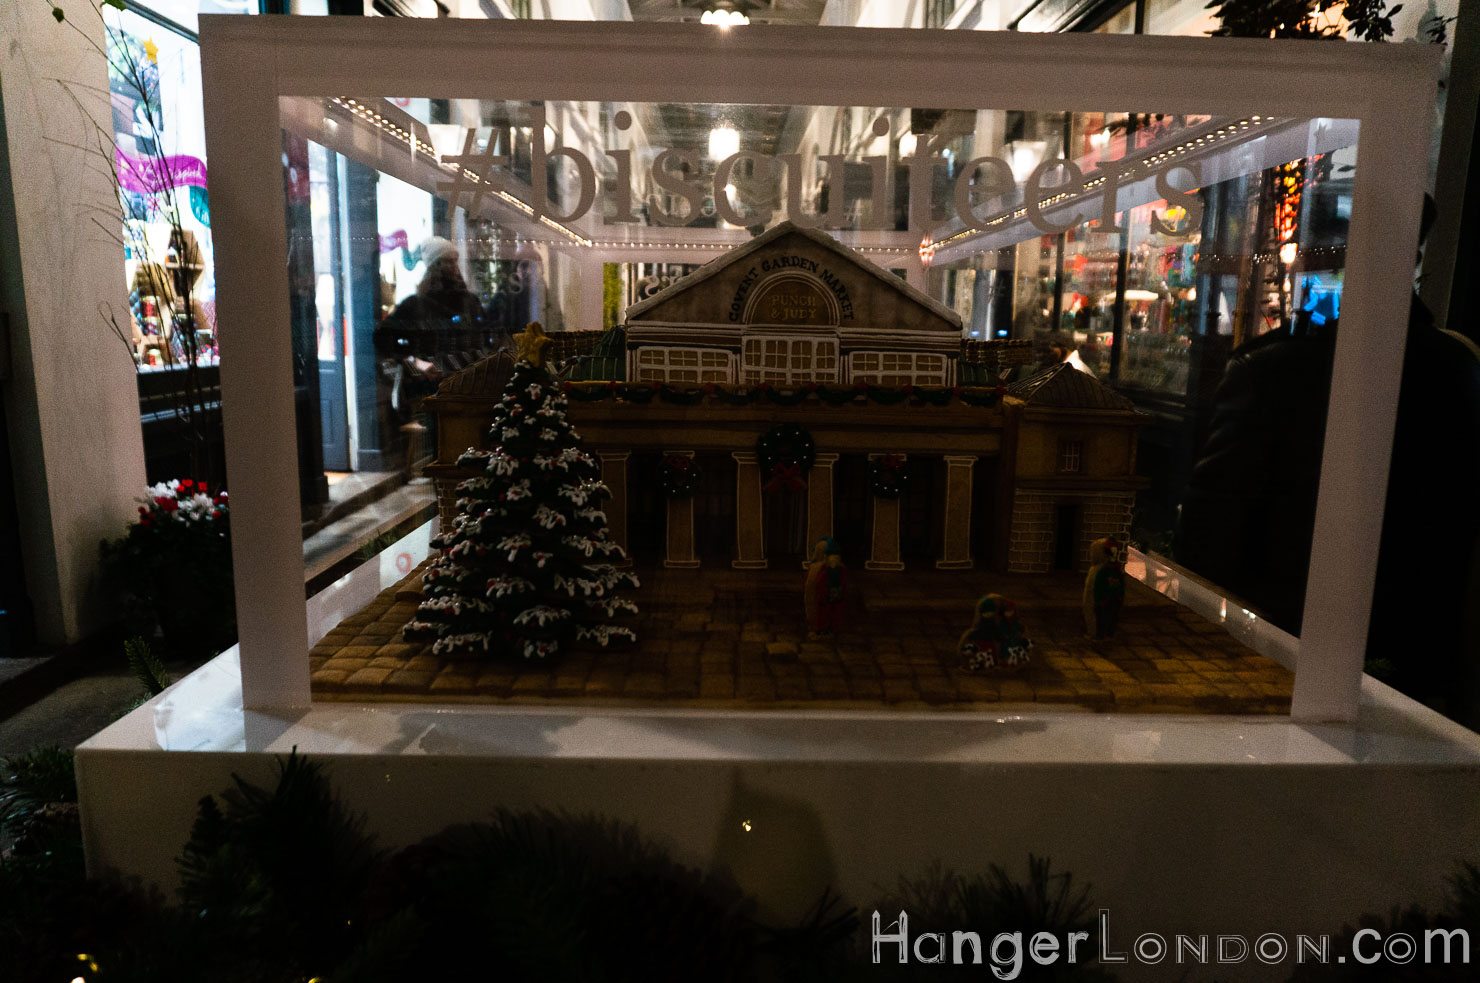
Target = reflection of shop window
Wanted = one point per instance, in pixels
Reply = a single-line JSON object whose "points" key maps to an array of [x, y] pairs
{"points": [[1071, 456], [786, 360], [683, 365], [897, 368]]}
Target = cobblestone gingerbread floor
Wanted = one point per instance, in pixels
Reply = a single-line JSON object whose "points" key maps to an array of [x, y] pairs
{"points": [[735, 639]]}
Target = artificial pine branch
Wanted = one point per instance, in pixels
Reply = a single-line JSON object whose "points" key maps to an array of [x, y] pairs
{"points": [[146, 666]]}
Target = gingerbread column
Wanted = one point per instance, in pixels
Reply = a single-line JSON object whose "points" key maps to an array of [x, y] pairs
{"points": [[680, 526], [819, 501], [614, 476], [885, 552], [750, 543], [956, 543]]}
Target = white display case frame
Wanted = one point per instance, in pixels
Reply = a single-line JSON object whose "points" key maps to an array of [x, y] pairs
{"points": [[248, 63], [1197, 823]]}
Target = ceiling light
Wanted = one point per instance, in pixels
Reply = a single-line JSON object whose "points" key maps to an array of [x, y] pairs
{"points": [[723, 141], [724, 18]]}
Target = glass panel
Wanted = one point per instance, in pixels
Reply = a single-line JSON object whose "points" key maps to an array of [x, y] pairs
{"points": [[1123, 21], [449, 224], [1186, 17]]}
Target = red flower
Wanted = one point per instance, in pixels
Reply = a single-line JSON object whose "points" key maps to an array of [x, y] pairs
{"points": [[220, 499], [187, 484], [144, 521], [168, 504], [143, 511], [215, 513]]}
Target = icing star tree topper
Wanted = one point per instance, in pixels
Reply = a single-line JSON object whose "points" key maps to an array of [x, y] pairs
{"points": [[528, 568]]}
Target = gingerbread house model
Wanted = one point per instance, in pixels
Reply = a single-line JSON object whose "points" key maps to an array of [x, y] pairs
{"points": [[794, 329]]}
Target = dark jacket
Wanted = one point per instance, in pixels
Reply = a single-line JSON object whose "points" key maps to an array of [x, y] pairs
{"points": [[1248, 514]]}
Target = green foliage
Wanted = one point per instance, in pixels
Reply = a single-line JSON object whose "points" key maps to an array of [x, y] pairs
{"points": [[945, 901], [278, 877], [611, 295], [1319, 19], [146, 666], [31, 780]]}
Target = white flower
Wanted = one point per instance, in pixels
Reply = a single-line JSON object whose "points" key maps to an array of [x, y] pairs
{"points": [[541, 615], [502, 464], [548, 518], [514, 544], [603, 634], [504, 586], [580, 543]]}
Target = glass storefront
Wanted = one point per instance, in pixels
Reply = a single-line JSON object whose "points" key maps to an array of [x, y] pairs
{"points": [[159, 136], [428, 251]]}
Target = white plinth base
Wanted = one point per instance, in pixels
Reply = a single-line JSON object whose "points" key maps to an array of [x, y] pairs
{"points": [[1191, 824]]}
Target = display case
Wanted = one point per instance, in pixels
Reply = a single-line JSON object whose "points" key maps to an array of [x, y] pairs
{"points": [[810, 380]]}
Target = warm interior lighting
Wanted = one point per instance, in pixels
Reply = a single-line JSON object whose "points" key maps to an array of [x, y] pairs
{"points": [[1078, 363], [724, 18], [723, 141]]}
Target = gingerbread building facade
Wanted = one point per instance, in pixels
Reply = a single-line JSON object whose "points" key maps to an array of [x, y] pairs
{"points": [[794, 333]]}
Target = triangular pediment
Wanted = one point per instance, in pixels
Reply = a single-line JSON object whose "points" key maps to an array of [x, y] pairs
{"points": [[829, 282]]}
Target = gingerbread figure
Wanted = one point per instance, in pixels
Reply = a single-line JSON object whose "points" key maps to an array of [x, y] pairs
{"points": [[996, 636], [1104, 587]]}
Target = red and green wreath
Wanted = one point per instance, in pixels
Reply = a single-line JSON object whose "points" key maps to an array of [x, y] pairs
{"points": [[785, 454], [679, 476], [887, 477]]}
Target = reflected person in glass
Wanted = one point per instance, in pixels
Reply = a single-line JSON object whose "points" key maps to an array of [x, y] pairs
{"points": [[434, 332]]}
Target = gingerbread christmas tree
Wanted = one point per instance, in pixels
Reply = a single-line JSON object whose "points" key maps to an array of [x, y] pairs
{"points": [[527, 568]]}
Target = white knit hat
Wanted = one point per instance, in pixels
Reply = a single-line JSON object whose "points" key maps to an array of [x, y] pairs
{"points": [[435, 248]]}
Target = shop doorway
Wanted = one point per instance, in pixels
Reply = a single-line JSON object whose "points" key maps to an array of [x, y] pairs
{"points": [[922, 511], [1066, 535], [984, 511], [714, 509], [17, 623], [852, 509], [784, 524], [647, 509]]}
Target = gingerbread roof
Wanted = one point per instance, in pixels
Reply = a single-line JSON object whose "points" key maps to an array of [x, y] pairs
{"points": [[1065, 387], [485, 377], [782, 231]]}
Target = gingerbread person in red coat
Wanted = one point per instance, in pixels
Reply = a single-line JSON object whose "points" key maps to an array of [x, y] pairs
{"points": [[830, 589]]}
